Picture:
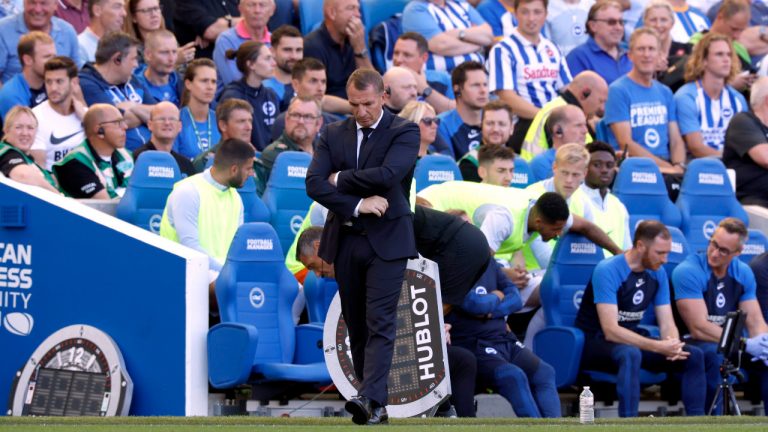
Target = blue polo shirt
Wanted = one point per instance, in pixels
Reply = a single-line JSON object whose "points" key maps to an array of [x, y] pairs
{"points": [[17, 92], [13, 27], [339, 61], [170, 92], [231, 40], [589, 56]]}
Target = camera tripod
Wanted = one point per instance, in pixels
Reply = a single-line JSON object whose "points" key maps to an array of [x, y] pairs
{"points": [[730, 406]]}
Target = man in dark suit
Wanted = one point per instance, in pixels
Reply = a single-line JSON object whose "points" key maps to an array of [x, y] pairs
{"points": [[362, 171]]}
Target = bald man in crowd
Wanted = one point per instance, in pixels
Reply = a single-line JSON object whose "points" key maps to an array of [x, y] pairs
{"points": [[399, 88]]}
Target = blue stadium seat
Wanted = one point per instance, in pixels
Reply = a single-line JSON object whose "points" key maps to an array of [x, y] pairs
{"points": [[257, 340], [310, 15], [706, 197], [254, 209], [756, 244], [376, 11], [640, 186], [522, 176], [151, 182], [319, 292], [286, 196], [560, 343], [435, 169]]}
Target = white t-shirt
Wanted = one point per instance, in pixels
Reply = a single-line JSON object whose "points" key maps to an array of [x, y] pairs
{"points": [[56, 134]]}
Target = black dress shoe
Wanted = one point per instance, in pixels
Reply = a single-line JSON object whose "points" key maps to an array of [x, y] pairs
{"points": [[379, 416], [360, 408]]}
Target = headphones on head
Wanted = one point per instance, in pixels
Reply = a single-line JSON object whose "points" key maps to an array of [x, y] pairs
{"points": [[558, 131], [388, 90], [456, 91], [100, 131], [586, 93]]}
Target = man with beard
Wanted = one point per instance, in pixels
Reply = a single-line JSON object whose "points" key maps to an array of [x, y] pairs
{"points": [[288, 48], [60, 128], [460, 127]]}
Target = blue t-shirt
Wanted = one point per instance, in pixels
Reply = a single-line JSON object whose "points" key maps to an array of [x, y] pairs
{"points": [[613, 282], [589, 56], [649, 111], [196, 137], [430, 20], [693, 279], [17, 92], [541, 165], [440, 81], [461, 136], [168, 92], [697, 112]]}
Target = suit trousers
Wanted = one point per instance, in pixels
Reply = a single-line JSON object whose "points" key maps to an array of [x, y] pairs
{"points": [[369, 289]]}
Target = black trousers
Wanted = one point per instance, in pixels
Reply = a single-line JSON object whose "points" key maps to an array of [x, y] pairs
{"points": [[463, 366], [369, 288]]}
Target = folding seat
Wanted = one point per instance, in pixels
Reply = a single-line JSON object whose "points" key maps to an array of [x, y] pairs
{"points": [[254, 209], [286, 195], [522, 176], [756, 244], [257, 340], [150, 184], [375, 11], [319, 292], [640, 186], [435, 169], [310, 15], [706, 197]]}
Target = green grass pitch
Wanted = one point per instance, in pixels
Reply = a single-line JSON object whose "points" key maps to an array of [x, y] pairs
{"points": [[224, 424]]}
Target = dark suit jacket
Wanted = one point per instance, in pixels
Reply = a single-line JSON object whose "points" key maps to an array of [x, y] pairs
{"points": [[386, 169]]}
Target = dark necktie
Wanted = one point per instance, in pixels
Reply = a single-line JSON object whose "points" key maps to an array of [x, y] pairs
{"points": [[366, 134]]}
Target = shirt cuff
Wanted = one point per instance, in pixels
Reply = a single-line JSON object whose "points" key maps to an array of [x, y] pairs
{"points": [[336, 183], [356, 213]]}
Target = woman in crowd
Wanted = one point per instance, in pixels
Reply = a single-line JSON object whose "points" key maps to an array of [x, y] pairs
{"points": [[255, 61], [659, 16], [199, 131], [16, 163], [145, 16], [423, 115]]}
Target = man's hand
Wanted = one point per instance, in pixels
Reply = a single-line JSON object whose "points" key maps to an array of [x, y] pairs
{"points": [[421, 80], [375, 205], [520, 276], [498, 294], [743, 80], [355, 31], [186, 53], [672, 349], [332, 178], [757, 347]]}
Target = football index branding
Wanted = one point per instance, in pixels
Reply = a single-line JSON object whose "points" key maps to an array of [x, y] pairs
{"points": [[160, 172], [15, 288]]}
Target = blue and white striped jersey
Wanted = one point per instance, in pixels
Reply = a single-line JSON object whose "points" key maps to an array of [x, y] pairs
{"points": [[697, 112], [688, 22], [501, 19], [430, 20], [535, 72]]}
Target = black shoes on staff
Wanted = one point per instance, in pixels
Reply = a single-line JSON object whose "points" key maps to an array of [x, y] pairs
{"points": [[364, 412]]}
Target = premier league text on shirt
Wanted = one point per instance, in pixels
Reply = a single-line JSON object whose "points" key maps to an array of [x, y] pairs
{"points": [[15, 275], [648, 114]]}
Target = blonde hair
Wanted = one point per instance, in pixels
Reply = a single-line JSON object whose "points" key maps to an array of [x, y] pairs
{"points": [[415, 111], [10, 118], [658, 4], [643, 31], [572, 153]]}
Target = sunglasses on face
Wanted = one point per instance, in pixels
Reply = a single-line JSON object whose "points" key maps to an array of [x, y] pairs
{"points": [[429, 120]]}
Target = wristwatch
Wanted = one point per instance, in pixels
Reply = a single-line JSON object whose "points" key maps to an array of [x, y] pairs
{"points": [[362, 54], [228, 19], [462, 35], [427, 91]]}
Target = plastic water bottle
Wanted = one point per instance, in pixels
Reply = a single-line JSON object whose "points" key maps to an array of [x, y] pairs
{"points": [[586, 406]]}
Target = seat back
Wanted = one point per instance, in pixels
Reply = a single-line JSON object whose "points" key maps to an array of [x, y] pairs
{"points": [[286, 195], [255, 288], [150, 184], [756, 245], [569, 271], [521, 178], [375, 11], [254, 209], [640, 186], [310, 15], [677, 254], [435, 169], [706, 197], [381, 40], [319, 292]]}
